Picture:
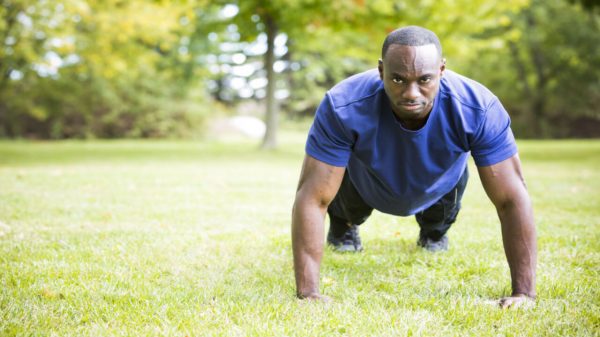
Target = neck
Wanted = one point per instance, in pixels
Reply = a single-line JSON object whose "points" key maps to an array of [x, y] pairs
{"points": [[412, 124]]}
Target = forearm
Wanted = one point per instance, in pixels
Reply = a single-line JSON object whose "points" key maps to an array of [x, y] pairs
{"points": [[307, 245], [520, 246]]}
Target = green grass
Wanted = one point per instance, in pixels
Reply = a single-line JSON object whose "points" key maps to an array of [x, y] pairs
{"points": [[168, 238]]}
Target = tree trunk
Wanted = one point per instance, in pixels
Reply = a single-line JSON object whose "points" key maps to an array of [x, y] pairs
{"points": [[538, 99], [270, 139], [521, 69]]}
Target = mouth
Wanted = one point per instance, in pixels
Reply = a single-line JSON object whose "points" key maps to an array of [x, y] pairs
{"points": [[410, 106]]}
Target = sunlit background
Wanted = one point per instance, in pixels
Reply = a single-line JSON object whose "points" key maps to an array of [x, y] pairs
{"points": [[188, 233], [140, 68]]}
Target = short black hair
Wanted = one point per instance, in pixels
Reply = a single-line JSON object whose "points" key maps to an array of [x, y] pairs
{"points": [[411, 36]]}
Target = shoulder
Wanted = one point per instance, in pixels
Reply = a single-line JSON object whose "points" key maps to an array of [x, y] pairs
{"points": [[466, 92], [355, 89], [474, 113]]}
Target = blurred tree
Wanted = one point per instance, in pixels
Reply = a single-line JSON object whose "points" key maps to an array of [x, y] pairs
{"points": [[546, 68], [329, 40], [25, 31], [328, 53], [271, 18], [588, 4], [77, 68]]}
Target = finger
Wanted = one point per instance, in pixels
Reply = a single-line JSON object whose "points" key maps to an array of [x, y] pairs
{"points": [[324, 299], [516, 302], [511, 302], [318, 298]]}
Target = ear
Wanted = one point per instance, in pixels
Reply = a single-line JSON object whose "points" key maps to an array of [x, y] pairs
{"points": [[442, 67], [380, 68]]}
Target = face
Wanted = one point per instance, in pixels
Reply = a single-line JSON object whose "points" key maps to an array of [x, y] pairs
{"points": [[411, 78]]}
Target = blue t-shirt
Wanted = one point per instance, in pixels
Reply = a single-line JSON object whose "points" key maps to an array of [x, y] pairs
{"points": [[399, 171]]}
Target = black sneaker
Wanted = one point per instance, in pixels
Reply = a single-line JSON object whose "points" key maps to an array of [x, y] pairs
{"points": [[432, 245], [348, 241]]}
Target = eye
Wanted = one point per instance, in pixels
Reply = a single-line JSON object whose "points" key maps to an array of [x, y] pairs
{"points": [[426, 80], [397, 80]]}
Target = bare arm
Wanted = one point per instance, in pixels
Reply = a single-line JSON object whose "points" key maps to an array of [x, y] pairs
{"points": [[505, 186], [319, 183]]}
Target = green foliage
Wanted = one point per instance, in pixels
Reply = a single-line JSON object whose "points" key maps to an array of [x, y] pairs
{"points": [[97, 69], [545, 67], [77, 68], [172, 238], [343, 38]]}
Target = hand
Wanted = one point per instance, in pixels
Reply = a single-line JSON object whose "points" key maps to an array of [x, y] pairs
{"points": [[315, 297], [516, 301]]}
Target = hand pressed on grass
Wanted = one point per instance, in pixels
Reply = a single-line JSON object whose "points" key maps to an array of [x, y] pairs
{"points": [[516, 301], [315, 297]]}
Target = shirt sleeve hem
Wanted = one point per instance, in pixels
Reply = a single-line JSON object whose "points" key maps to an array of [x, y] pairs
{"points": [[497, 159], [326, 159]]}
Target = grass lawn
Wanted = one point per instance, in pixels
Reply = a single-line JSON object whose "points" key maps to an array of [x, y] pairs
{"points": [[169, 238]]}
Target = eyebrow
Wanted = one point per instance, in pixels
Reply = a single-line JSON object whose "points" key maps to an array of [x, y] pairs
{"points": [[402, 76]]}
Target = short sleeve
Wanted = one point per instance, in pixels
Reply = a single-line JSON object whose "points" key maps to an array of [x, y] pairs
{"points": [[494, 141], [327, 140]]}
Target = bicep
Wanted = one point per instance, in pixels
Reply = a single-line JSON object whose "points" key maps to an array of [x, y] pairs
{"points": [[503, 182], [319, 181]]}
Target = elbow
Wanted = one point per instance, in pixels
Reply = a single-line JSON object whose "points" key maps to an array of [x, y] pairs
{"points": [[515, 198], [515, 211], [506, 205], [304, 199], [512, 204]]}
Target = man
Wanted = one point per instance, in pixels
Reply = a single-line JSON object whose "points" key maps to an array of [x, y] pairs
{"points": [[397, 139]]}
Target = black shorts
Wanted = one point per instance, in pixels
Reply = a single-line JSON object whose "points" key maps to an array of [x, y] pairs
{"points": [[349, 207]]}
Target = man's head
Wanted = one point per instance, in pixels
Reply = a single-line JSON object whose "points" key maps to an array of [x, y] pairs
{"points": [[411, 36], [411, 68]]}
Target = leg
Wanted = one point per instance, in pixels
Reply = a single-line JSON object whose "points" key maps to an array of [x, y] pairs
{"points": [[437, 219], [346, 212]]}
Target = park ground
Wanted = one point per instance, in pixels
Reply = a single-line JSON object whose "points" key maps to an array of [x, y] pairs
{"points": [[192, 238]]}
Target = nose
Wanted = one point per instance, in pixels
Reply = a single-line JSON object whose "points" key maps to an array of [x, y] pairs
{"points": [[411, 92]]}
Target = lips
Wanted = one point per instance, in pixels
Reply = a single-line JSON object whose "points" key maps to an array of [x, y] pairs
{"points": [[410, 106]]}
